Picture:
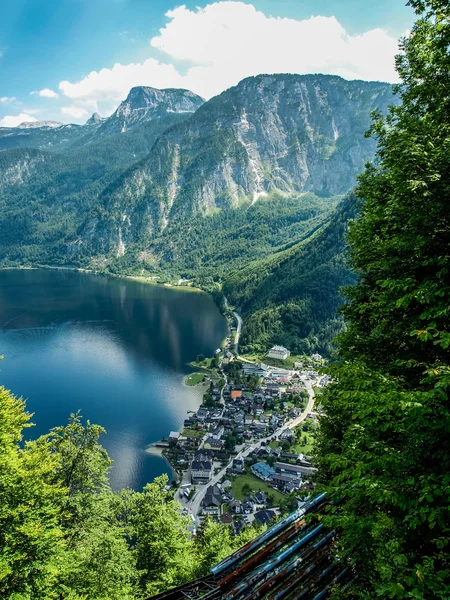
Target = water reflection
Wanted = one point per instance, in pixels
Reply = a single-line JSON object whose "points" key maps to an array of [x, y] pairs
{"points": [[115, 349]]}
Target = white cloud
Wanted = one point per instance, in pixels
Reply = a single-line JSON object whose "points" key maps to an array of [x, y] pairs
{"points": [[45, 93], [77, 112], [7, 99], [226, 41], [14, 120]]}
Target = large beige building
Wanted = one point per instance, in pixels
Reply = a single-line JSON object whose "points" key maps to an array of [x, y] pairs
{"points": [[278, 352]]}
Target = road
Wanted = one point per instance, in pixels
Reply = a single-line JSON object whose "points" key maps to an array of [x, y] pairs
{"points": [[238, 332], [238, 328], [194, 504]]}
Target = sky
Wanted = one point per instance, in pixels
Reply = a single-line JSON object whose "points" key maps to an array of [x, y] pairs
{"points": [[65, 59]]}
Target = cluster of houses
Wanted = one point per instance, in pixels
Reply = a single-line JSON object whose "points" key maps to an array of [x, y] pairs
{"points": [[286, 477], [241, 414], [253, 507]]}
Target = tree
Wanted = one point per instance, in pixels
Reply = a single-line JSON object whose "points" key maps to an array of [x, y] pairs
{"points": [[200, 358], [98, 560], [383, 447], [31, 538], [165, 552], [246, 489]]}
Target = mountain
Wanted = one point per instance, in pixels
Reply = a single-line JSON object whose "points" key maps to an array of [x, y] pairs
{"points": [[40, 136], [269, 134], [94, 120], [148, 104], [39, 124], [143, 105], [292, 296], [240, 190]]}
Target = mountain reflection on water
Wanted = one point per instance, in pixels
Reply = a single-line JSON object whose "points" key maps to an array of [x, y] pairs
{"points": [[115, 349]]}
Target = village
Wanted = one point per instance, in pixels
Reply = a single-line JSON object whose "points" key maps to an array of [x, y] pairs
{"points": [[244, 456]]}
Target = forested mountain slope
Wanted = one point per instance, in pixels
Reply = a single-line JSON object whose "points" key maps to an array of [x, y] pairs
{"points": [[284, 133], [172, 186], [292, 297]]}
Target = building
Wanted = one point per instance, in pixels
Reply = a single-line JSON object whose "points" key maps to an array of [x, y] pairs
{"points": [[279, 352], [201, 468], [236, 392], [264, 517], [259, 370], [316, 357], [238, 465], [263, 471], [212, 500]]}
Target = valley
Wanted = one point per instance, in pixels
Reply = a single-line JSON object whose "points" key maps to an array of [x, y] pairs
{"points": [[237, 193]]}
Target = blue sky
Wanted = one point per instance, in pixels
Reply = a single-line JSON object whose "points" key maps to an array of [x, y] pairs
{"points": [[206, 46]]}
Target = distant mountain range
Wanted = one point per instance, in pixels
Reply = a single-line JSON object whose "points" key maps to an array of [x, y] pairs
{"points": [[127, 192]]}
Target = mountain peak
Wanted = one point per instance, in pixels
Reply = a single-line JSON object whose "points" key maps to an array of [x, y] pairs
{"points": [[94, 119], [37, 124], [145, 103]]}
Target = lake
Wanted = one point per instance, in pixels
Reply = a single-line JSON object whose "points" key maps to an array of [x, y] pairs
{"points": [[116, 349]]}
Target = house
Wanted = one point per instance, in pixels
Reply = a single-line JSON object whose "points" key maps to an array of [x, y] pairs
{"points": [[213, 444], [236, 506], [238, 465], [261, 498], [287, 482], [258, 409], [174, 436], [212, 501], [263, 471], [238, 525], [264, 517], [278, 352], [316, 357], [202, 468], [236, 392], [247, 507], [216, 433], [202, 414], [259, 370], [227, 518], [288, 469]]}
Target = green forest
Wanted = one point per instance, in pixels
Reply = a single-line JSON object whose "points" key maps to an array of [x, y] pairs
{"points": [[65, 534], [383, 451], [382, 447]]}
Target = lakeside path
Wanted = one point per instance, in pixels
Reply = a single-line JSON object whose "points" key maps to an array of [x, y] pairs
{"points": [[194, 504]]}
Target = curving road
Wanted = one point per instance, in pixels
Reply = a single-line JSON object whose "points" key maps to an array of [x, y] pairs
{"points": [[194, 504]]}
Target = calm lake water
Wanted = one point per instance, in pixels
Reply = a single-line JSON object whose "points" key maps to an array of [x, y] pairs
{"points": [[115, 349]]}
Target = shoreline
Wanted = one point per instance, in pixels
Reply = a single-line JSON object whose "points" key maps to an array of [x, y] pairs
{"points": [[137, 278], [200, 387]]}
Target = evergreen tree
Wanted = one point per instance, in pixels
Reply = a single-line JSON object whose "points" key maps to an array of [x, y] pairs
{"points": [[383, 448]]}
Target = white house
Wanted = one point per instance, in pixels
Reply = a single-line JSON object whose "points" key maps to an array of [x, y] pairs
{"points": [[279, 352]]}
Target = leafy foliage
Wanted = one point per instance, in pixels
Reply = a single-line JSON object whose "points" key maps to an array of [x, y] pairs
{"points": [[383, 449], [65, 534], [292, 297]]}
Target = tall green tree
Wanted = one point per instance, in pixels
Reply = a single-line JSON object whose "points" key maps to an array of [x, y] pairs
{"points": [[99, 563], [383, 448], [165, 550], [31, 537]]}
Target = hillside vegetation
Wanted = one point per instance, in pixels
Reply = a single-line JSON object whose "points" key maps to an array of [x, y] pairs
{"points": [[292, 297], [383, 451]]}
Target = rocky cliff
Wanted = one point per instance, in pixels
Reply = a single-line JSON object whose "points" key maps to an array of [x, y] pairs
{"points": [[270, 133]]}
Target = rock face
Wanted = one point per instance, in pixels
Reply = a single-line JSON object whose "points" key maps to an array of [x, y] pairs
{"points": [[147, 103], [284, 133], [143, 106], [94, 120], [39, 124]]}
